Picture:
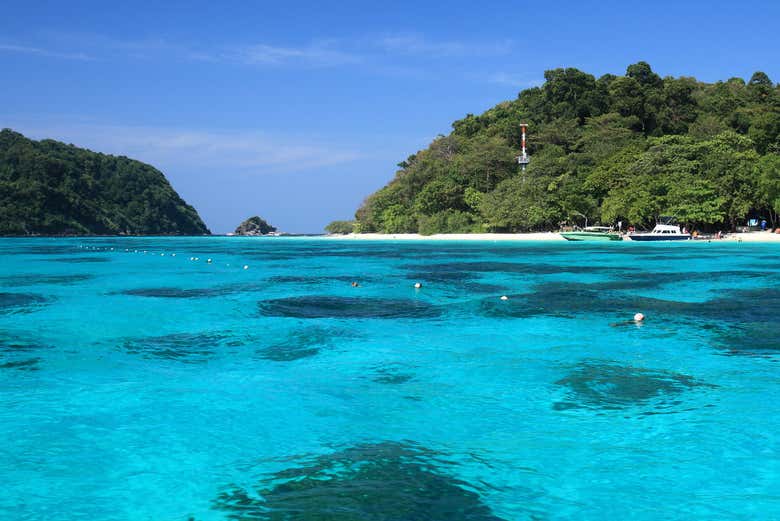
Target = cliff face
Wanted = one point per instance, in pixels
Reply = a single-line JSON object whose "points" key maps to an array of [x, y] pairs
{"points": [[254, 226], [51, 188]]}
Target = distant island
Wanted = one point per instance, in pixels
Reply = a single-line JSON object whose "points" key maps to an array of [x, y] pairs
{"points": [[254, 226], [52, 188], [617, 148]]}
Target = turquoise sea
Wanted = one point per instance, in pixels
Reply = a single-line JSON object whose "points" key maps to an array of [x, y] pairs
{"points": [[136, 384]]}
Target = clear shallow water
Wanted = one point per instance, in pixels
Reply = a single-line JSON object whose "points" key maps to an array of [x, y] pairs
{"points": [[145, 386]]}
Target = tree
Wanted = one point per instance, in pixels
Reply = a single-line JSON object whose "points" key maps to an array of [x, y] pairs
{"points": [[517, 206], [767, 172], [759, 86], [627, 97], [340, 227], [644, 75]]}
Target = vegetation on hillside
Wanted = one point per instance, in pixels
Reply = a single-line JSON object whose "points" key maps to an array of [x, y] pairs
{"points": [[50, 188], [617, 148]]}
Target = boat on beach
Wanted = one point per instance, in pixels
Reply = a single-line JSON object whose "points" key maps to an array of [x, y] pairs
{"points": [[592, 233], [662, 232]]}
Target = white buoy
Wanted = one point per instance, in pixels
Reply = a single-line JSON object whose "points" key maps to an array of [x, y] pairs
{"points": [[246, 267], [197, 258], [173, 254], [639, 317], [504, 297], [417, 285], [162, 255], [208, 260]]}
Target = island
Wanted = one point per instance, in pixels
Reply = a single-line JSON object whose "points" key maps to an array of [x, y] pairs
{"points": [[254, 226], [615, 149], [52, 188]]}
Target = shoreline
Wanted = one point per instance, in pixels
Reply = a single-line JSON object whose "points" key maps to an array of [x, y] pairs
{"points": [[752, 237]]}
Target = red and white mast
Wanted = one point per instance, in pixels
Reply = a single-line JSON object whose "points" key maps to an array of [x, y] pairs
{"points": [[523, 159]]}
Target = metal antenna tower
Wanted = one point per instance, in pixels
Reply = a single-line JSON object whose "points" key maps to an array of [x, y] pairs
{"points": [[523, 158]]}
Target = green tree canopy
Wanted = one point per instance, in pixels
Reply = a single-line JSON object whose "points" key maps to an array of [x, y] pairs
{"points": [[628, 148], [50, 188]]}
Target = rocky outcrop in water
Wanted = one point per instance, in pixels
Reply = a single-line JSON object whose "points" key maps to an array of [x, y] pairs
{"points": [[254, 226]]}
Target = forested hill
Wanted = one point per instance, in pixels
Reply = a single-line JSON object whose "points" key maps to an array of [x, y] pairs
{"points": [[617, 148], [50, 188]]}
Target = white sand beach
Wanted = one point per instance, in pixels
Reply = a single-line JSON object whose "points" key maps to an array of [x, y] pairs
{"points": [[540, 236]]}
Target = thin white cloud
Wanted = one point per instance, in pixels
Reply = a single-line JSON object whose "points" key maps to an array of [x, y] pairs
{"points": [[250, 152], [23, 49], [314, 55], [420, 46], [391, 54], [513, 80]]}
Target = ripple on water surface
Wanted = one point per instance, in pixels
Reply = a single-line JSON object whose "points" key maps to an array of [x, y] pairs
{"points": [[347, 307], [373, 482], [33, 279], [391, 374], [15, 353], [80, 260], [186, 293], [183, 347]]}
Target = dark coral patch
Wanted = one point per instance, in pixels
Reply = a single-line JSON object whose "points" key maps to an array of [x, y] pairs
{"points": [[457, 280], [315, 279], [34, 279], [19, 249], [744, 321], [751, 339], [15, 353], [391, 377], [520, 268], [20, 302], [11, 344], [376, 482], [301, 343], [295, 279], [30, 364], [183, 347], [346, 307], [79, 260], [177, 292], [607, 385]]}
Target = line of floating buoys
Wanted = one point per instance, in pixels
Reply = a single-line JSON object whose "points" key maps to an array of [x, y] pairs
{"points": [[638, 317]]}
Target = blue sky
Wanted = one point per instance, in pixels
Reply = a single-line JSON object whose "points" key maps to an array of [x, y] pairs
{"points": [[297, 110]]}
